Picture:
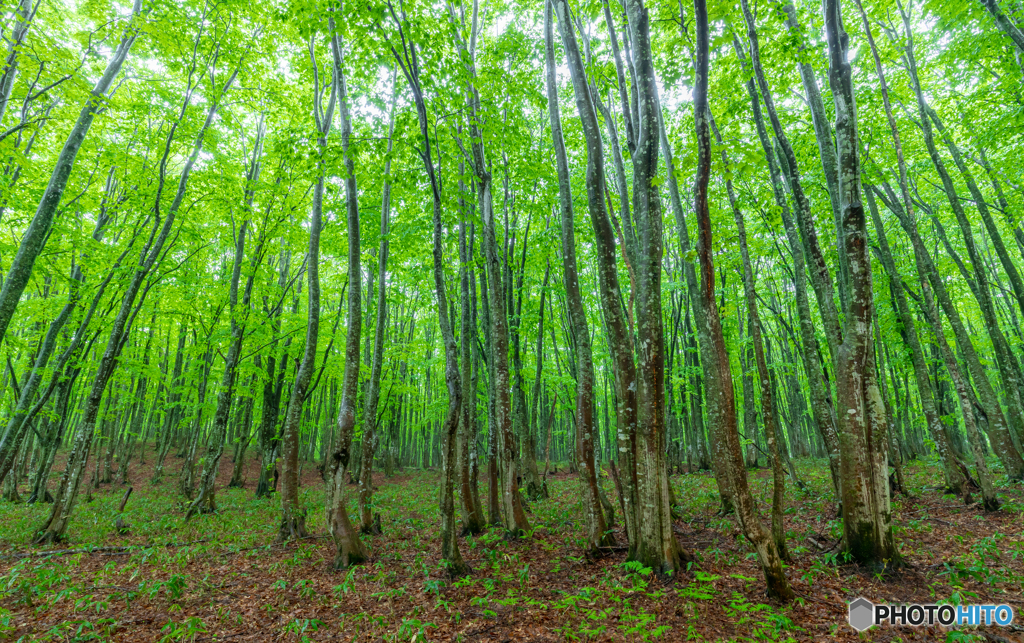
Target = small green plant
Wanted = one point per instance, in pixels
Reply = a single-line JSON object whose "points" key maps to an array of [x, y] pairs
{"points": [[305, 588], [300, 626], [413, 628], [347, 585], [185, 631]]}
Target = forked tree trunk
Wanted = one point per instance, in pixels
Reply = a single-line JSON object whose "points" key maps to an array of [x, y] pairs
{"points": [[658, 547], [867, 515], [597, 534], [450, 556]]}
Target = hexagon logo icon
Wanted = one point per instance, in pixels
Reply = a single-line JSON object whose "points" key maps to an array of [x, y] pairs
{"points": [[862, 612]]}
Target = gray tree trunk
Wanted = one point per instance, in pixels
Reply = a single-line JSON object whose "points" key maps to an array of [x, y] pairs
{"points": [[715, 359], [39, 228], [597, 535]]}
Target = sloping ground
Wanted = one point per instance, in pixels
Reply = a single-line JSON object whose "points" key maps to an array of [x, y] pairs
{"points": [[224, 578]]}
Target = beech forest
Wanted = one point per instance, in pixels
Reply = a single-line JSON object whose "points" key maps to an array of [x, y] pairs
{"points": [[494, 321]]}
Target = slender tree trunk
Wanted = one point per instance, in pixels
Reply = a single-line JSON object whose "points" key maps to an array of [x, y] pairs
{"points": [[243, 422], [450, 555], [38, 230], [1004, 357], [205, 501], [349, 549], [173, 409], [186, 476], [597, 533], [616, 326], [22, 17], [541, 492], [864, 445], [821, 402], [1005, 24], [55, 526], [473, 516], [768, 411], [273, 387], [715, 359], [367, 524]]}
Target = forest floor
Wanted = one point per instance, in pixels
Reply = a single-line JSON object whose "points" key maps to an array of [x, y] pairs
{"points": [[223, 577]]}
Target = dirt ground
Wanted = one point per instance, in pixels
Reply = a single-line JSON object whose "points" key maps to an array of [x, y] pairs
{"points": [[224, 577]]}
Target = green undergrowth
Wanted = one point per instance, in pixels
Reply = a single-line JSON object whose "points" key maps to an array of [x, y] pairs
{"points": [[182, 571]]}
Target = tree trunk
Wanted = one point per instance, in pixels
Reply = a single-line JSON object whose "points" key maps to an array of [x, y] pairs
{"points": [[867, 514], [172, 412], [821, 402], [472, 512], [367, 524], [715, 359], [349, 549], [38, 230], [205, 501], [450, 555], [1005, 24], [616, 327], [1004, 357], [55, 526], [768, 412], [951, 468], [597, 532]]}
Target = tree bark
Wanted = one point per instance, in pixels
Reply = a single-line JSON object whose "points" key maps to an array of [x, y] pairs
{"points": [[38, 230], [597, 532], [715, 359], [349, 549], [867, 515], [367, 524]]}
